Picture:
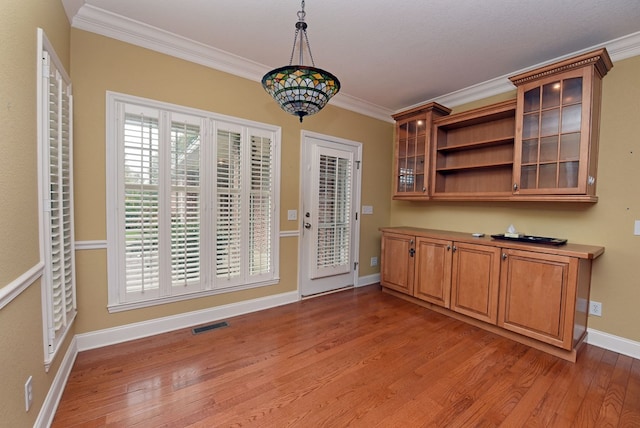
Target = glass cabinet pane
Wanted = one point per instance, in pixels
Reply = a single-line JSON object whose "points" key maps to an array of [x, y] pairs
{"points": [[549, 149], [532, 100], [571, 116], [530, 125], [572, 91], [550, 122], [547, 179], [530, 151], [551, 95], [568, 174], [570, 147], [528, 177]]}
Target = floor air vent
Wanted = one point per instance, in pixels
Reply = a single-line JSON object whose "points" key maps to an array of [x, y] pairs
{"points": [[202, 329]]}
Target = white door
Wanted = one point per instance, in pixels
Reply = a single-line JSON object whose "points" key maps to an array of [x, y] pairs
{"points": [[330, 196]]}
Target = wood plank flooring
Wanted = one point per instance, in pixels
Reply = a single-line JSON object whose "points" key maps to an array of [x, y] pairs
{"points": [[357, 358]]}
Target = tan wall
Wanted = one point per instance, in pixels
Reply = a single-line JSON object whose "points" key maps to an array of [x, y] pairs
{"points": [[616, 274], [100, 64], [21, 340]]}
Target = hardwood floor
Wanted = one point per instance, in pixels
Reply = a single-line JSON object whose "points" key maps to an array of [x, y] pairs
{"points": [[357, 358]]}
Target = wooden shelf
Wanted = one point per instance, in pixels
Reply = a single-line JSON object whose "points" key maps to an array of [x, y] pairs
{"points": [[472, 167], [477, 144]]}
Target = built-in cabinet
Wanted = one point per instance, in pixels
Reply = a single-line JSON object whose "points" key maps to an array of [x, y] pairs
{"points": [[413, 142], [537, 294], [542, 146]]}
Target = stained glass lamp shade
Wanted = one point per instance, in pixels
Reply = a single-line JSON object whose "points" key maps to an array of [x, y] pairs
{"points": [[298, 89]]}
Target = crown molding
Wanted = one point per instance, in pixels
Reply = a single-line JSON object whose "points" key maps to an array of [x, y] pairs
{"points": [[99, 21]]}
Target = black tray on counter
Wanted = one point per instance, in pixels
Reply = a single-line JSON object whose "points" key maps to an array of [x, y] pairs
{"points": [[531, 239]]}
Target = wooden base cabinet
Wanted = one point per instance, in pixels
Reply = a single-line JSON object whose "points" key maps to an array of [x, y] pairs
{"points": [[540, 295], [475, 281], [535, 294]]}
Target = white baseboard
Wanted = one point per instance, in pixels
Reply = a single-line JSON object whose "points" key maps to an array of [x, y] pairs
{"points": [[613, 343], [51, 401], [368, 280], [110, 336]]}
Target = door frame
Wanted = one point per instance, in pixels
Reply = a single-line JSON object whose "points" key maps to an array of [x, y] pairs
{"points": [[357, 193]]}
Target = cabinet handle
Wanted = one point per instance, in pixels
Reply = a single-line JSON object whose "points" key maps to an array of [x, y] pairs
{"points": [[412, 252], [515, 187], [411, 242], [448, 247], [455, 248], [504, 256]]}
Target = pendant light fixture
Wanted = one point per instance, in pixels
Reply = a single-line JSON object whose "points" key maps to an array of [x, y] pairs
{"points": [[299, 89]]}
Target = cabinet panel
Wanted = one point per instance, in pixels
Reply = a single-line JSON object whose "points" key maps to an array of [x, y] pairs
{"points": [[397, 262], [538, 296], [433, 271], [475, 281]]}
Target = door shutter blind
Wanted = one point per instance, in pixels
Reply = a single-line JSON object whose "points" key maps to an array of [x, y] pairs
{"points": [[57, 185], [333, 211]]}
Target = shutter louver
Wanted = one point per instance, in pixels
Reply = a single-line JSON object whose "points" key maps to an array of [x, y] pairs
{"points": [[229, 206]]}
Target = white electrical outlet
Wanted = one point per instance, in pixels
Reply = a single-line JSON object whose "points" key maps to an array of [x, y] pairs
{"points": [[595, 308], [374, 261], [28, 393], [292, 214], [636, 227], [367, 209]]}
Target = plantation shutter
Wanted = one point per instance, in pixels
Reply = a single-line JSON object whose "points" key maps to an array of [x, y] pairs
{"points": [[229, 205], [185, 203], [260, 206], [141, 156], [59, 252]]}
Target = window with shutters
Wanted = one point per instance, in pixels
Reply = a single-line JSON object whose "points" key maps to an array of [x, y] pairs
{"points": [[55, 154], [191, 202]]}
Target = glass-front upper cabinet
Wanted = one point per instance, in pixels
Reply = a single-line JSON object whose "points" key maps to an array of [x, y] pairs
{"points": [[557, 127], [412, 148]]}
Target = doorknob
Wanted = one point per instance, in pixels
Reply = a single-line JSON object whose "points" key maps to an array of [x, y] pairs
{"points": [[307, 225]]}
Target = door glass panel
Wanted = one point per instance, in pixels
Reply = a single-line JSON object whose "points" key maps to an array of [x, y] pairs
{"points": [[402, 148], [547, 177], [571, 118], [530, 125], [530, 151], [528, 177], [532, 100], [568, 176], [572, 91], [550, 122], [551, 95], [420, 146], [570, 146], [549, 149]]}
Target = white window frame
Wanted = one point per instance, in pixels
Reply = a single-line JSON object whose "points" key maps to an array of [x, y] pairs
{"points": [[55, 197], [210, 123]]}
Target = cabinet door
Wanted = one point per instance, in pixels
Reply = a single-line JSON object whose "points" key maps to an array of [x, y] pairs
{"points": [[537, 297], [475, 280], [553, 135], [433, 271], [397, 262], [410, 156]]}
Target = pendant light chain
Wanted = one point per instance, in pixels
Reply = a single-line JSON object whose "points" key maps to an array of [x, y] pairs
{"points": [[301, 25]]}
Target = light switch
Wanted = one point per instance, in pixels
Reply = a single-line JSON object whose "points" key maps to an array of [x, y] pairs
{"points": [[636, 228], [292, 215], [367, 209]]}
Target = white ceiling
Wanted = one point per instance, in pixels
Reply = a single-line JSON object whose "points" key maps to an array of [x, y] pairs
{"points": [[388, 55]]}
